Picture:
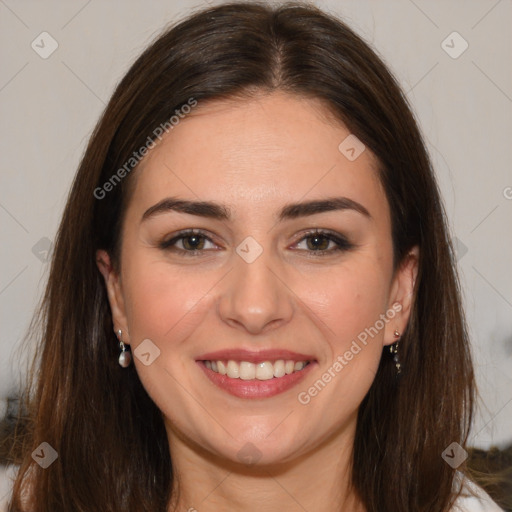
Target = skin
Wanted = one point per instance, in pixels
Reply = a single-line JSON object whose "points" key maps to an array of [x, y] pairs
{"points": [[255, 156]]}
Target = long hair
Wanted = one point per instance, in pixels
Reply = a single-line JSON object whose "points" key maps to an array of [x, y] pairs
{"points": [[113, 453]]}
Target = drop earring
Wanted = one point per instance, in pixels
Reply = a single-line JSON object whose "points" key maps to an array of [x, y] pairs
{"points": [[125, 357], [393, 349]]}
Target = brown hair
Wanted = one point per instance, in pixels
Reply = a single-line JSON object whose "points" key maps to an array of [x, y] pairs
{"points": [[112, 447]]}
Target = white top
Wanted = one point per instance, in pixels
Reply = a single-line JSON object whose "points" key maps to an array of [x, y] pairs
{"points": [[465, 502]]}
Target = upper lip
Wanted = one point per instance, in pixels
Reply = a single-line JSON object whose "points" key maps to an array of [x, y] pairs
{"points": [[252, 356]]}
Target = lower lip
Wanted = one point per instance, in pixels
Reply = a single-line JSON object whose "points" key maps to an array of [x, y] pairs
{"points": [[256, 388]]}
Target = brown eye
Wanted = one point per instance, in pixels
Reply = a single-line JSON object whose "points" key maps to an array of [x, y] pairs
{"points": [[192, 243], [318, 242]]}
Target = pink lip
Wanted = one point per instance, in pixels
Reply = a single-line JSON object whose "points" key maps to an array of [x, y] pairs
{"points": [[255, 357], [256, 388]]}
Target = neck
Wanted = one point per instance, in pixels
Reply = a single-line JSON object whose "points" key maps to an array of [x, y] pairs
{"points": [[319, 480]]}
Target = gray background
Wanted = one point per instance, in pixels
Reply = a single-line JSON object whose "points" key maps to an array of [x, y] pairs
{"points": [[48, 108]]}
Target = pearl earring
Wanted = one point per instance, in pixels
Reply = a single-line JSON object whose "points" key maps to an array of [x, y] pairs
{"points": [[125, 357]]}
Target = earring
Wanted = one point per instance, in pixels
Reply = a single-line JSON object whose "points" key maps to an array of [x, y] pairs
{"points": [[393, 349], [125, 357]]}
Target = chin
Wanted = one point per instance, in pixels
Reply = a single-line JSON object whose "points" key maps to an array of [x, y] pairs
{"points": [[260, 446]]}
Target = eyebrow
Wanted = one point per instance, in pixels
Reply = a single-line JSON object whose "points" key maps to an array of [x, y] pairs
{"points": [[218, 211]]}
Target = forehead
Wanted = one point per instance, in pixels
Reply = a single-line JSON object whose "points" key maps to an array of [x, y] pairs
{"points": [[255, 152]]}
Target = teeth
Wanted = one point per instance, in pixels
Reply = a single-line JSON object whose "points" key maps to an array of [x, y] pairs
{"points": [[279, 368], [222, 368], [261, 371], [265, 371], [233, 370], [247, 370]]}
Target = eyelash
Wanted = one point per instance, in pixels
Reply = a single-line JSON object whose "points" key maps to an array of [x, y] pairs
{"points": [[342, 244]]}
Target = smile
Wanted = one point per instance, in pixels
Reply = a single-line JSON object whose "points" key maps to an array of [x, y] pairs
{"points": [[255, 374], [265, 370]]}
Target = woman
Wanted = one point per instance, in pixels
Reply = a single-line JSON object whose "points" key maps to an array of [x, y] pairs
{"points": [[253, 302]]}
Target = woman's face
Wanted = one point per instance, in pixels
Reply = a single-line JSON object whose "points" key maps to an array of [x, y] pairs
{"points": [[256, 287]]}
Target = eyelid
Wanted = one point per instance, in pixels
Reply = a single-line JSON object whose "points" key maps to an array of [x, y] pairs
{"points": [[341, 241], [184, 233]]}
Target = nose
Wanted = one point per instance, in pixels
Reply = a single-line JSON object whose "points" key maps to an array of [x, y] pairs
{"points": [[254, 296]]}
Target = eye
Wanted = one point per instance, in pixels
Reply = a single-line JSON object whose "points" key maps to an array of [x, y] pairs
{"points": [[319, 241], [192, 242]]}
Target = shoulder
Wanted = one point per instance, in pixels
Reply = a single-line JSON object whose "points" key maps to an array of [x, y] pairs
{"points": [[8, 475], [474, 499]]}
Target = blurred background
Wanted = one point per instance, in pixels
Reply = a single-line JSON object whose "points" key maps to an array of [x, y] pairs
{"points": [[60, 61]]}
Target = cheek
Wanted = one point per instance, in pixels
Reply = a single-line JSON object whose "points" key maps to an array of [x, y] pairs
{"points": [[348, 301], [166, 305], [163, 302], [351, 306]]}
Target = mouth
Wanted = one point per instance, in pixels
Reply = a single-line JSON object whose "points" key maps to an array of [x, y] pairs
{"points": [[245, 370], [256, 375]]}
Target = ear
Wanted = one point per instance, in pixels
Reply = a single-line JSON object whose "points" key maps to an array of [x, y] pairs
{"points": [[401, 296], [115, 294]]}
